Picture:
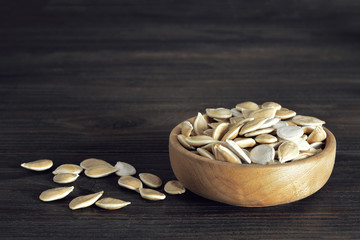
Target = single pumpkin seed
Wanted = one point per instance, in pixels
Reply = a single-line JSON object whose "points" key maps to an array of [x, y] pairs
{"points": [[262, 154], [238, 151], [265, 138], [318, 135], [92, 162], [150, 180], [302, 144], [220, 131], [308, 129], [233, 132], [236, 113], [124, 169], [38, 165], [227, 154], [200, 124], [271, 105], [285, 113], [307, 120], [55, 193], [174, 187], [280, 124], [130, 182], [68, 168], [205, 153], [245, 142], [317, 145], [111, 203], [186, 128], [263, 113], [100, 171], [235, 120], [85, 200], [252, 125], [287, 151], [182, 139], [65, 178], [151, 194], [259, 132], [270, 122], [199, 140], [290, 132], [208, 132], [218, 113], [247, 106]]}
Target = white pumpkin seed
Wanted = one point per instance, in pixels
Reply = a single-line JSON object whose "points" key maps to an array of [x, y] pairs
{"points": [[233, 146], [245, 142], [199, 140], [111, 203], [85, 200], [200, 124], [182, 140], [100, 171], [55, 193], [186, 128], [318, 135], [270, 122], [205, 153], [265, 138], [38, 165], [68, 168], [151, 194], [218, 113], [130, 182], [174, 187], [262, 154], [247, 105], [287, 151], [124, 169], [271, 105], [263, 113], [307, 120], [65, 178], [259, 132], [280, 124], [317, 145], [290, 132], [150, 180], [252, 125], [92, 162]]}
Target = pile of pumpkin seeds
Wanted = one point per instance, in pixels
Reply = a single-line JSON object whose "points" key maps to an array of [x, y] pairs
{"points": [[253, 134], [97, 168]]}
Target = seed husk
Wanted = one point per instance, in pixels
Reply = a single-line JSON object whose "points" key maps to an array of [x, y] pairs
{"points": [[252, 125], [259, 132], [271, 105], [199, 140], [235, 120], [151, 194], [124, 169], [221, 113], [182, 140], [174, 187], [307, 120], [92, 162], [287, 151], [38, 165], [285, 113], [222, 120], [200, 124], [85, 200], [130, 182], [265, 138], [186, 128], [213, 125], [220, 131], [262, 154], [55, 193], [111, 203], [68, 168], [205, 153], [263, 113], [290, 132], [150, 180], [65, 178], [100, 171], [238, 151], [247, 105], [245, 142], [318, 135]]}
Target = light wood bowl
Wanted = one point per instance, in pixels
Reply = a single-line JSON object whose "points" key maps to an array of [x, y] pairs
{"points": [[251, 185]]}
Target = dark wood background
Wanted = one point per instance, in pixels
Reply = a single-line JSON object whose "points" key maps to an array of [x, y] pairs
{"points": [[110, 79]]}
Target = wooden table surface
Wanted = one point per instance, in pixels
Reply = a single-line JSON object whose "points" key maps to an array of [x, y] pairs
{"points": [[110, 79]]}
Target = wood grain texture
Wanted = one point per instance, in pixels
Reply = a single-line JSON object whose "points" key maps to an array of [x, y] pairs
{"points": [[110, 79]]}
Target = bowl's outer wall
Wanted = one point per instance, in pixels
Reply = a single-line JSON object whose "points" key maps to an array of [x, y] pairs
{"points": [[251, 185]]}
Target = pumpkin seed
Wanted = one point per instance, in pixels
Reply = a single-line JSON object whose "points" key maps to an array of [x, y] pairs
{"points": [[235, 120], [85, 200], [318, 135], [150, 180], [55, 193], [252, 125], [174, 187], [92, 162], [233, 132], [111, 203], [247, 105], [199, 140], [151, 194], [308, 129], [130, 182], [65, 177], [307, 120], [182, 140], [220, 131], [287, 151], [280, 124], [245, 142], [38, 165], [259, 132], [246, 113], [270, 122], [236, 113], [218, 112], [265, 138], [186, 128], [205, 153], [263, 113], [200, 124], [302, 144], [213, 125], [68, 168], [290, 132], [124, 169], [100, 171], [271, 105], [208, 132], [262, 154], [285, 113], [233, 146], [227, 154]]}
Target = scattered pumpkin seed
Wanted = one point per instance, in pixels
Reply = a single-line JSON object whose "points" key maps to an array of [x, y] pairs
{"points": [[262, 154], [200, 124], [124, 169], [151, 194], [55, 193], [150, 180], [287, 151], [205, 153], [271, 105], [130, 182], [92, 162], [85, 200], [38, 165], [68, 168], [111, 203], [174, 187], [65, 178]]}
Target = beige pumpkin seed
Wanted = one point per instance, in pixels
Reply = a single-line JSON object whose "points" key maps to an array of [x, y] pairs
{"points": [[222, 120], [308, 129], [85, 200], [55, 193], [68, 168], [227, 155], [289, 132], [290, 123], [205, 153], [252, 125], [262, 154], [100, 171], [151, 194], [233, 132], [182, 139], [265, 138], [317, 145], [186, 128], [65, 178], [220, 131], [271, 105], [236, 113], [111, 203], [235, 120], [245, 142], [263, 113], [259, 132], [130, 182], [199, 140], [287, 151], [213, 125], [200, 124], [238, 151], [285, 113], [38, 165], [318, 135], [302, 144], [221, 113], [174, 187], [307, 120], [270, 122], [150, 180], [247, 106], [208, 132], [124, 169], [92, 162]]}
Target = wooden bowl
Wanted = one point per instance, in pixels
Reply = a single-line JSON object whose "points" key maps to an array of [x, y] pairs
{"points": [[251, 185]]}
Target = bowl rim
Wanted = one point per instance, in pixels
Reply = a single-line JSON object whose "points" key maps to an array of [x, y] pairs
{"points": [[330, 143]]}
